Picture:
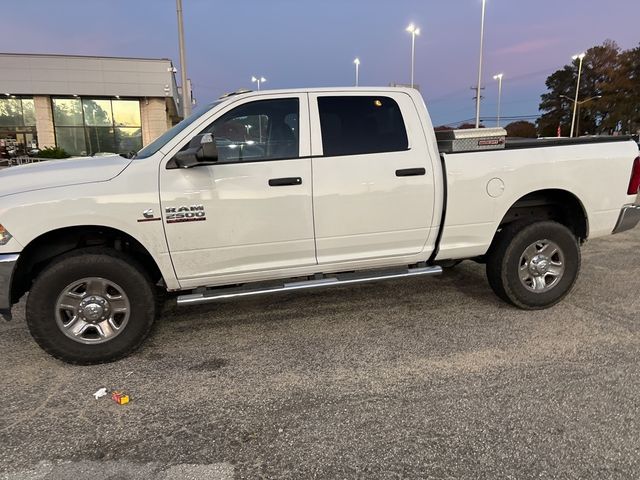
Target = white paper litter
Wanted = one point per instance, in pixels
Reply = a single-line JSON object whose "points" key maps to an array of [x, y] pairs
{"points": [[100, 393]]}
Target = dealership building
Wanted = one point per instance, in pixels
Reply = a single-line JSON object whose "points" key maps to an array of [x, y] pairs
{"points": [[85, 105]]}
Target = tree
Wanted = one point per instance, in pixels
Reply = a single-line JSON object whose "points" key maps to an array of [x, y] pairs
{"points": [[628, 83], [467, 126], [601, 79], [522, 129], [608, 98], [557, 108]]}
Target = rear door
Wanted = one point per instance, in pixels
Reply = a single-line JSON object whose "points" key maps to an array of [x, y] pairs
{"points": [[373, 189]]}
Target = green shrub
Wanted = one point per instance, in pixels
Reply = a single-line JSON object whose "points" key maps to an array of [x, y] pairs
{"points": [[53, 152]]}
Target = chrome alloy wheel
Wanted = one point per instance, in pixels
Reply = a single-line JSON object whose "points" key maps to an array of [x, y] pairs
{"points": [[541, 266], [92, 310]]}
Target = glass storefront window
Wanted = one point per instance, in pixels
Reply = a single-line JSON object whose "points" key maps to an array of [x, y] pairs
{"points": [[67, 111], [101, 139], [128, 139], [17, 141], [97, 112], [126, 113], [17, 126], [71, 140], [87, 126], [29, 112], [11, 112]]}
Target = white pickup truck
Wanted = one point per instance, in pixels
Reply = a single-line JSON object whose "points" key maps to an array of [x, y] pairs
{"points": [[272, 191]]}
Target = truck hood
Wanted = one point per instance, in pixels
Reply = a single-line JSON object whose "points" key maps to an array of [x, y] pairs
{"points": [[60, 173]]}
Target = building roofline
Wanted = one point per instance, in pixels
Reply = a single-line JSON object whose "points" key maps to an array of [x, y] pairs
{"points": [[95, 57]]}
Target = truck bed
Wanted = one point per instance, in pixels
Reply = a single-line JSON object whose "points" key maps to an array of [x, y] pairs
{"points": [[481, 186]]}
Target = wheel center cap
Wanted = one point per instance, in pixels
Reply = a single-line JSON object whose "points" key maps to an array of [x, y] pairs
{"points": [[94, 309], [539, 265]]}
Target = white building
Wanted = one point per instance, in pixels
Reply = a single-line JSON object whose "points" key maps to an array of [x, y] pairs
{"points": [[85, 105]]}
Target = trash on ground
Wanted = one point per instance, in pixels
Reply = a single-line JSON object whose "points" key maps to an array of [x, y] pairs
{"points": [[120, 398], [100, 393]]}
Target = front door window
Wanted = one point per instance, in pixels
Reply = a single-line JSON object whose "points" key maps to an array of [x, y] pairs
{"points": [[258, 131]]}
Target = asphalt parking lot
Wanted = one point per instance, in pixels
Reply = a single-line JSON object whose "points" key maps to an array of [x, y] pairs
{"points": [[419, 378]]}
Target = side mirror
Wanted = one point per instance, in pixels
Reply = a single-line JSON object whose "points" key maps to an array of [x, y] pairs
{"points": [[202, 150]]}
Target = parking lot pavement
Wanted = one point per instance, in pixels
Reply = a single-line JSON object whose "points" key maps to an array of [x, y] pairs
{"points": [[419, 378]]}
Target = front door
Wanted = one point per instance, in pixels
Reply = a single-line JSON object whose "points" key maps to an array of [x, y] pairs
{"points": [[373, 185], [252, 210]]}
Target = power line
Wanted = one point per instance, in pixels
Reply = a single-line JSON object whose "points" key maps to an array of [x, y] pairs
{"points": [[493, 119]]}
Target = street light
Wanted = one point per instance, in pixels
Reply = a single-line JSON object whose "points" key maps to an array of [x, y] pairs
{"points": [[579, 106], [499, 78], [479, 88], [258, 80], [357, 64], [414, 31], [186, 94], [579, 56]]}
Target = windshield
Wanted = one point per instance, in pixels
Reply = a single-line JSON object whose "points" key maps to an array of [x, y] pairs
{"points": [[163, 139]]}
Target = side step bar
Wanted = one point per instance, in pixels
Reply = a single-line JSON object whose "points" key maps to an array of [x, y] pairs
{"points": [[340, 279]]}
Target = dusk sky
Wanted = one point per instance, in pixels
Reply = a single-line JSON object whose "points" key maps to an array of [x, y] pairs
{"points": [[304, 43]]}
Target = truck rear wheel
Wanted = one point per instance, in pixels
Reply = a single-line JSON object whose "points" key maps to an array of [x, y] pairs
{"points": [[533, 266], [91, 306]]}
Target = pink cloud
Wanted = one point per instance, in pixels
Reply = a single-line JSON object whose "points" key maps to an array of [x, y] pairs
{"points": [[527, 47]]}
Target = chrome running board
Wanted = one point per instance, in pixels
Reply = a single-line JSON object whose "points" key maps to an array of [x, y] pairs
{"points": [[213, 295]]}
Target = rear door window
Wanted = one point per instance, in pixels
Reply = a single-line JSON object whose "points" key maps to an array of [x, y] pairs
{"points": [[360, 125]]}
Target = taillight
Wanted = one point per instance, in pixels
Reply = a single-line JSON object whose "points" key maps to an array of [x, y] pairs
{"points": [[634, 183]]}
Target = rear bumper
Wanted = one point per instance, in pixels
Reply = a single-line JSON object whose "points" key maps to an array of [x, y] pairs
{"points": [[628, 219], [7, 267]]}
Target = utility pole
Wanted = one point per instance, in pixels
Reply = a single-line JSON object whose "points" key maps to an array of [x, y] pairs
{"points": [[186, 94], [579, 57], [479, 87]]}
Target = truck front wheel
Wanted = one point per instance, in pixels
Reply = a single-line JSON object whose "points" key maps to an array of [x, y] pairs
{"points": [[533, 266], [91, 306]]}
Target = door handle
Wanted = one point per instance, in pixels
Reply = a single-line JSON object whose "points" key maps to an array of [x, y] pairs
{"points": [[410, 172], [282, 182]]}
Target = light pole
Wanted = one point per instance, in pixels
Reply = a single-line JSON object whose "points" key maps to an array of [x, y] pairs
{"points": [[186, 94], [414, 31], [479, 88], [499, 78], [579, 106], [258, 80], [357, 64], [580, 57]]}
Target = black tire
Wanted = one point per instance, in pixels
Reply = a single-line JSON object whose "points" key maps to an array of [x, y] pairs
{"points": [[504, 262], [91, 262]]}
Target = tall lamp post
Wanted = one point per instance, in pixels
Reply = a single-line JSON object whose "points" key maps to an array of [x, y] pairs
{"points": [[258, 80], [186, 94], [498, 77], [357, 64], [580, 57], [579, 106], [414, 31], [479, 87]]}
